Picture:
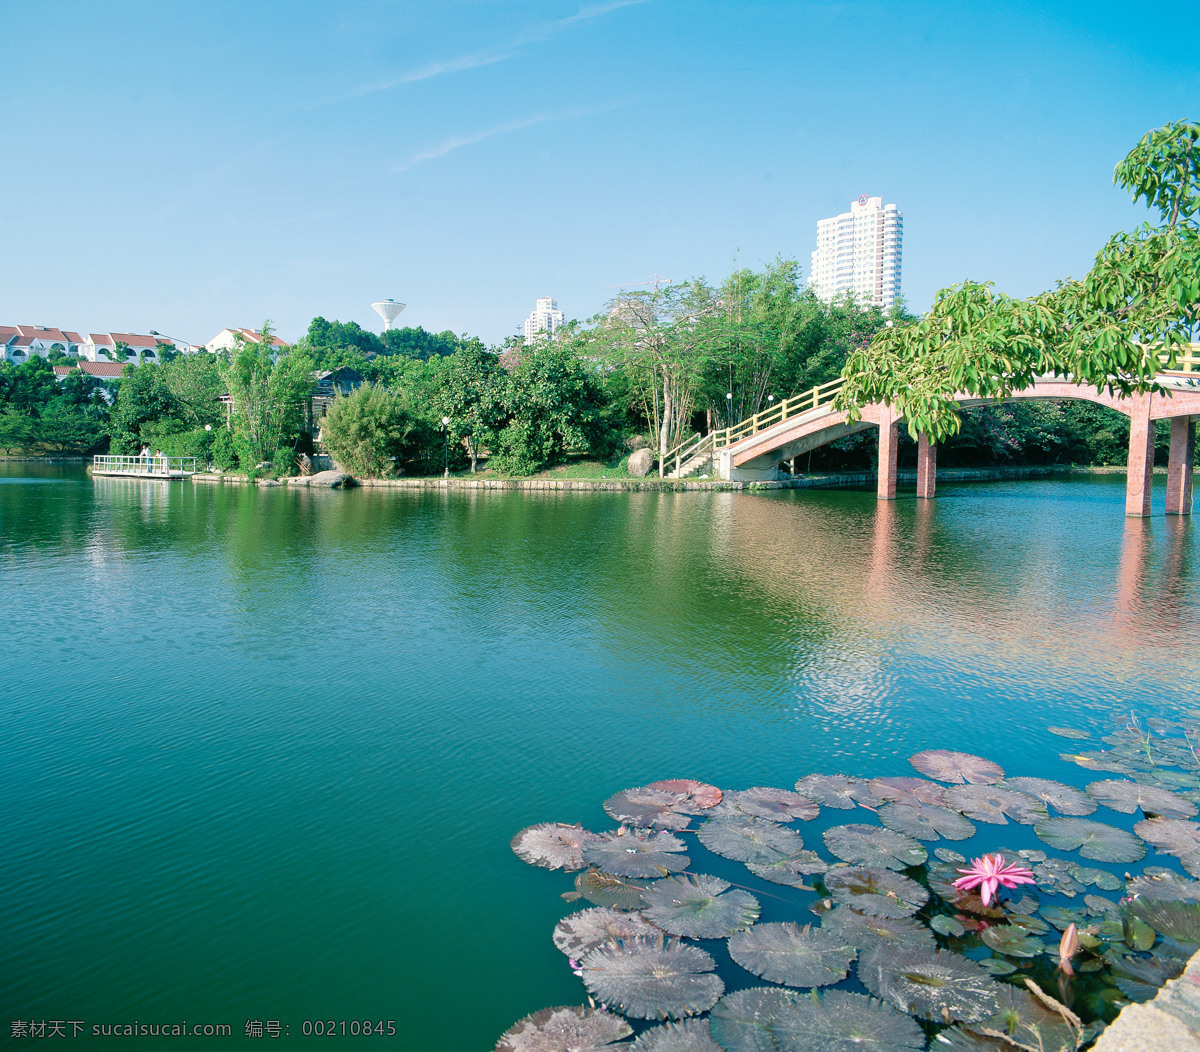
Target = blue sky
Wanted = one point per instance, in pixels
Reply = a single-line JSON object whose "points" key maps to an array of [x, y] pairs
{"points": [[188, 166]]}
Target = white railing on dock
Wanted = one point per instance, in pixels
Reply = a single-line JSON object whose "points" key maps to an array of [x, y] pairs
{"points": [[151, 467]]}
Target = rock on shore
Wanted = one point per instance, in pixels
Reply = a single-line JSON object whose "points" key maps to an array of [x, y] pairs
{"points": [[325, 480]]}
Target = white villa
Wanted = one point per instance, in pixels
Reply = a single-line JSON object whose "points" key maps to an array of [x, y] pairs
{"points": [[227, 338], [21, 342]]}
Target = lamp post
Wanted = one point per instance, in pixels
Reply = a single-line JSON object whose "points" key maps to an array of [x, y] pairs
{"points": [[728, 408], [446, 429]]}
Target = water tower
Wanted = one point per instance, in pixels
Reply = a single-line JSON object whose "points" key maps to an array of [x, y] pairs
{"points": [[387, 310]]}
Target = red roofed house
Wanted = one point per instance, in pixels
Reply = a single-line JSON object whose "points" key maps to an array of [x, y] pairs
{"points": [[21, 342]]}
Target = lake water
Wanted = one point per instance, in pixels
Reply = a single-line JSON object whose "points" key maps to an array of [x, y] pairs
{"points": [[264, 751]]}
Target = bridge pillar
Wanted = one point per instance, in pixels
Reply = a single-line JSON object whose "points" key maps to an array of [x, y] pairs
{"points": [[1139, 475], [1179, 466], [889, 456], [926, 465]]}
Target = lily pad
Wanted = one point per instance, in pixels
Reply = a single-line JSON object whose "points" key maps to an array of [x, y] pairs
{"points": [[647, 808], [1012, 941], [778, 805], [749, 839], [1069, 732], [1176, 920], [688, 1035], [775, 1020], [944, 854], [991, 803], [880, 892], [790, 869], [837, 790], [945, 765], [948, 926], [699, 906], [1028, 1021], [652, 978], [1095, 840], [908, 791], [791, 955], [862, 930], [1127, 797], [699, 795], [608, 889], [1063, 798], [1140, 978], [926, 822], [573, 1028], [553, 845], [580, 932], [1155, 882], [941, 986], [874, 846], [1172, 836], [654, 855]]}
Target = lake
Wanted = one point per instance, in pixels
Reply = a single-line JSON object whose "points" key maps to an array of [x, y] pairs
{"points": [[264, 751]]}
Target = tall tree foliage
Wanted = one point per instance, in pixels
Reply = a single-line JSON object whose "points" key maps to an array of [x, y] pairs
{"points": [[269, 396], [1140, 301]]}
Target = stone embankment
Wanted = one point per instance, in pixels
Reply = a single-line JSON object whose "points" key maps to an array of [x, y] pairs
{"points": [[1168, 1023], [863, 479]]}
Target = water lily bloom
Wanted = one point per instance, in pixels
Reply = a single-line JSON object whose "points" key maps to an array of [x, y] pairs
{"points": [[1068, 946], [990, 872]]}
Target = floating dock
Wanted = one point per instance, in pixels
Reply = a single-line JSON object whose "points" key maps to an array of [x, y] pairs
{"points": [[161, 469]]}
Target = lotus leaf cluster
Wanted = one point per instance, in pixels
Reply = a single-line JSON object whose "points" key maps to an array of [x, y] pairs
{"points": [[679, 960]]}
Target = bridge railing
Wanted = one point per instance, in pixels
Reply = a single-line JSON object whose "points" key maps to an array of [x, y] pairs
{"points": [[696, 444], [1186, 362]]}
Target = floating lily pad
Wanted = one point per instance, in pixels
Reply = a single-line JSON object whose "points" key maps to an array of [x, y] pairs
{"points": [[749, 839], [1063, 798], [1101, 878], [699, 795], [608, 889], [1127, 797], [1095, 840], [1012, 941], [908, 791], [991, 803], [775, 1020], [945, 765], [926, 822], [874, 846], [998, 966], [940, 986], [699, 906], [879, 892], [1140, 978], [1097, 760], [630, 855], [778, 805], [1028, 1021], [862, 930], [792, 955], [948, 926], [1173, 836], [553, 845], [1069, 732], [647, 808], [837, 790], [790, 869], [944, 854], [1156, 882], [567, 1028], [1176, 920], [688, 1035], [652, 978], [580, 932]]}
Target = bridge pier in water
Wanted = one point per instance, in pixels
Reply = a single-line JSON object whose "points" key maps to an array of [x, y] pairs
{"points": [[1179, 465], [926, 466]]}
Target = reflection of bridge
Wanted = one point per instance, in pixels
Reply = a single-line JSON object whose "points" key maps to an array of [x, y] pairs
{"points": [[753, 449]]}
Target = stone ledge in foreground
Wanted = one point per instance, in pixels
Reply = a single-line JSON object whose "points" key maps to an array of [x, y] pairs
{"points": [[1168, 1023]]}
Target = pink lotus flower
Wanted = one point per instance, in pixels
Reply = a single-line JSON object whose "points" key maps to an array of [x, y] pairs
{"points": [[988, 873]]}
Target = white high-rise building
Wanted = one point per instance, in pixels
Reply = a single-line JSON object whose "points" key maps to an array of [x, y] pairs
{"points": [[546, 317], [859, 252]]}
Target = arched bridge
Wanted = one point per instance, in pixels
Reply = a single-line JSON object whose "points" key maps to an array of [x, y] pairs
{"points": [[753, 449]]}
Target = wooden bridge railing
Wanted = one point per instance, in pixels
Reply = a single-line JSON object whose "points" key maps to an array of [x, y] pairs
{"points": [[152, 466]]}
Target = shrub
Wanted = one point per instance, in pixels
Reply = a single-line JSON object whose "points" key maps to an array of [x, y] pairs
{"points": [[366, 432], [224, 455]]}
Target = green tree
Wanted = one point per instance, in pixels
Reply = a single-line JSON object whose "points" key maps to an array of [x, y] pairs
{"points": [[367, 431], [142, 398], [470, 396], [422, 345], [195, 386], [30, 386], [269, 395], [68, 429], [16, 431], [1140, 302]]}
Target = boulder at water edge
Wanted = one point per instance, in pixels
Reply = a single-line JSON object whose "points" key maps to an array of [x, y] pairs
{"points": [[640, 463], [326, 480]]}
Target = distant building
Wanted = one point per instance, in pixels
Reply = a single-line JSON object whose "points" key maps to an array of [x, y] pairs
{"points": [[22, 342], [544, 320], [227, 338], [859, 252]]}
